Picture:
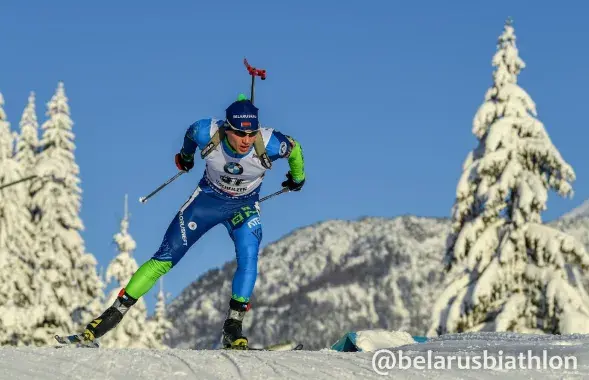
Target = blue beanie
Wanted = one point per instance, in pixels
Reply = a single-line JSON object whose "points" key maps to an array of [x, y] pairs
{"points": [[242, 115]]}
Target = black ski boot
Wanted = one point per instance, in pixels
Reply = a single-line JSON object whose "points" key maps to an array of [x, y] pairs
{"points": [[110, 318], [232, 334]]}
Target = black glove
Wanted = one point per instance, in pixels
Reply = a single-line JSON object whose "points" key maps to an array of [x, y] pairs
{"points": [[291, 184], [183, 164]]}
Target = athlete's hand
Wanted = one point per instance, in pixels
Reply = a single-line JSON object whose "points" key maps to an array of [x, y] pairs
{"points": [[292, 184], [183, 164]]}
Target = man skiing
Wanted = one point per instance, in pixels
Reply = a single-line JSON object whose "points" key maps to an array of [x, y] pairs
{"points": [[237, 152]]}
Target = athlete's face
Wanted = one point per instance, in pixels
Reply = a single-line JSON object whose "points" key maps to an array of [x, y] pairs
{"points": [[241, 141]]}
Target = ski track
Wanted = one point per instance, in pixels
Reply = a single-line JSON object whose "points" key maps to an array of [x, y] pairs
{"points": [[233, 363], [61, 362], [44, 363], [173, 353], [269, 364]]}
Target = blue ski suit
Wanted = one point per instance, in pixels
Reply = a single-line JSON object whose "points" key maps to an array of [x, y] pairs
{"points": [[227, 194]]}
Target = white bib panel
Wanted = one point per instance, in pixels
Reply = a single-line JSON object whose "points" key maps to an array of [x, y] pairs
{"points": [[235, 176]]}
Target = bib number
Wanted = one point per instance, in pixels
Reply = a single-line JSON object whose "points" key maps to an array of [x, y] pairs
{"points": [[231, 181]]}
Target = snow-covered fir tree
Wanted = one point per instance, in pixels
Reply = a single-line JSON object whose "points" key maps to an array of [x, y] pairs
{"points": [[161, 324], [133, 331], [16, 294], [508, 271], [28, 140], [68, 288], [27, 145]]}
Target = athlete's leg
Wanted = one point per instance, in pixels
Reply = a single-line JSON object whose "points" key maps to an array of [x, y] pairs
{"points": [[246, 231], [198, 215], [247, 237]]}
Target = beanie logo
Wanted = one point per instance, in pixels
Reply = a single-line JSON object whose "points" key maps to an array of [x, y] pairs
{"points": [[246, 124], [245, 117]]}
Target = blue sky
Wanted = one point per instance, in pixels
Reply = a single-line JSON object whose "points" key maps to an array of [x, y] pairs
{"points": [[381, 95]]}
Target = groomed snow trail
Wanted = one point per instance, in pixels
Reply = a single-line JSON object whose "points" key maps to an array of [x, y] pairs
{"points": [[131, 364]]}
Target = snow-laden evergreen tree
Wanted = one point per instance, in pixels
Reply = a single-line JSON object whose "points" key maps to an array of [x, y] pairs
{"points": [[133, 331], [27, 145], [69, 291], [508, 271], [161, 324], [16, 293], [28, 140]]}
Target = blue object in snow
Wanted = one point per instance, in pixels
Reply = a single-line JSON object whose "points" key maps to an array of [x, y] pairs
{"points": [[347, 343]]}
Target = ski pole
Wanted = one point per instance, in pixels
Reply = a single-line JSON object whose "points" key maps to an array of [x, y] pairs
{"points": [[18, 181], [145, 198], [283, 190], [254, 73], [54, 178]]}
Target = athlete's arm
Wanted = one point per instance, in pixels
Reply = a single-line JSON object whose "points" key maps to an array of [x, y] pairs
{"points": [[197, 136], [190, 143], [283, 146], [296, 162]]}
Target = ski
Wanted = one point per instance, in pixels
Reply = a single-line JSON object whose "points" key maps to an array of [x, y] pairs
{"points": [[298, 347], [77, 339]]}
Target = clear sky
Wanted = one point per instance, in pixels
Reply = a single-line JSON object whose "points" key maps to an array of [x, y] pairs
{"points": [[381, 95]]}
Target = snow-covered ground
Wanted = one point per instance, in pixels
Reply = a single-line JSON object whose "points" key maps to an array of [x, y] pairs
{"points": [[130, 364]]}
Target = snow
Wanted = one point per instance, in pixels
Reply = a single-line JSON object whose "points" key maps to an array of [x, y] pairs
{"points": [[41, 363], [373, 340]]}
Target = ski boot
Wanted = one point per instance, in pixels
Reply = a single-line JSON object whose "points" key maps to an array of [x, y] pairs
{"points": [[232, 334], [110, 318]]}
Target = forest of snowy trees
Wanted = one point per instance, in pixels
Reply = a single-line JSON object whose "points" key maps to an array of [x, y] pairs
{"points": [[48, 281]]}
